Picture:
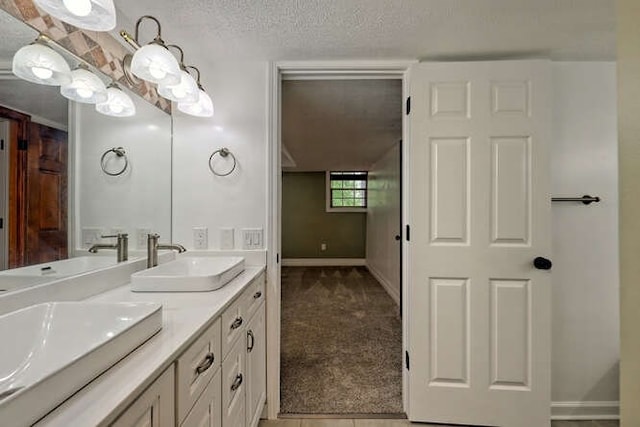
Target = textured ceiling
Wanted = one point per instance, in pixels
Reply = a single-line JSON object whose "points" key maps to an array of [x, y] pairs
{"points": [[14, 34], [340, 124], [215, 30]]}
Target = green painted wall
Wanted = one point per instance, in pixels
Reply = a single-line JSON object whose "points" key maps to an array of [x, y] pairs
{"points": [[306, 224]]}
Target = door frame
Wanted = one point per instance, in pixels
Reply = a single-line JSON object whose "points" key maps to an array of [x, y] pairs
{"points": [[314, 70]]}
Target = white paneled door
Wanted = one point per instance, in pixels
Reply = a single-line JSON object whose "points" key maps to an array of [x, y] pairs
{"points": [[479, 311]]}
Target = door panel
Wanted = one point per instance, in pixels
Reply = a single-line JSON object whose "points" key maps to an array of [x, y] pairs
{"points": [[479, 313], [47, 194]]}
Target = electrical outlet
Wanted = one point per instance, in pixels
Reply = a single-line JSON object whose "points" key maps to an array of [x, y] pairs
{"points": [[141, 237], [200, 238], [91, 236], [226, 238], [323, 246], [252, 238]]}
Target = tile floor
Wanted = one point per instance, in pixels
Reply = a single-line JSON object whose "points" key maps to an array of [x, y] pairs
{"points": [[400, 423]]}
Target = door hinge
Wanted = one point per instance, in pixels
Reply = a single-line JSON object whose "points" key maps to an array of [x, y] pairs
{"points": [[406, 359], [1, 223], [408, 105], [1, 144], [22, 145], [408, 233]]}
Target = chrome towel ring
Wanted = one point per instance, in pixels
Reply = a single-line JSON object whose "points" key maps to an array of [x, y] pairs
{"points": [[224, 153], [119, 152]]}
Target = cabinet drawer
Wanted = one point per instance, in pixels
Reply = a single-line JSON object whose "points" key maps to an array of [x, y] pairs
{"points": [[195, 368], [254, 295], [207, 411], [233, 386], [233, 323]]}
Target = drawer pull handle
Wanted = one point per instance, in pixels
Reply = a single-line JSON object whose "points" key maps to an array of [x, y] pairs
{"points": [[252, 339], [206, 363], [236, 323], [257, 295], [236, 383]]}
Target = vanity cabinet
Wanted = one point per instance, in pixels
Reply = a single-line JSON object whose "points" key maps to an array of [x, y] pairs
{"points": [[154, 407], [219, 380]]}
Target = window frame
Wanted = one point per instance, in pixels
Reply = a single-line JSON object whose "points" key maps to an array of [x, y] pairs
{"points": [[330, 208]]}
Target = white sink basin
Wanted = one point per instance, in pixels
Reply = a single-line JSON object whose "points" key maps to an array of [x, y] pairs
{"points": [[188, 274], [64, 267], [52, 350]]}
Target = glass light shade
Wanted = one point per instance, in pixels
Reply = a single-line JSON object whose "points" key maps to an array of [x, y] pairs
{"points": [[85, 87], [118, 104], [38, 63], [185, 91], [95, 15], [156, 64], [202, 108]]}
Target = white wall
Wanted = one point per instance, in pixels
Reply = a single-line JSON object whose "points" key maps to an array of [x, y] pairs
{"points": [[585, 238], [200, 199], [141, 197], [383, 221]]}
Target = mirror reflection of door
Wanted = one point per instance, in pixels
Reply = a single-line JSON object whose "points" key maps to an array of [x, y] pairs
{"points": [[34, 181]]}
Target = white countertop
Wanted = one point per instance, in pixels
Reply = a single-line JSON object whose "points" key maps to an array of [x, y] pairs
{"points": [[185, 316]]}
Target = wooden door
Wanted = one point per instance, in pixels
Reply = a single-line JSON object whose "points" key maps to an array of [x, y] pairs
{"points": [[479, 312], [47, 156]]}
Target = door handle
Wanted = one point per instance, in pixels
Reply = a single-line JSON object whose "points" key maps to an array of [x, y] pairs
{"points": [[542, 263], [236, 323], [251, 337]]}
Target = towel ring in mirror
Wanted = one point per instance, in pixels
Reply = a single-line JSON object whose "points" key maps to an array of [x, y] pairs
{"points": [[224, 153], [119, 152]]}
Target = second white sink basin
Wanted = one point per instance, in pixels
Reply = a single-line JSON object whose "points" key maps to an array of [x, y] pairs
{"points": [[188, 274], [51, 350]]}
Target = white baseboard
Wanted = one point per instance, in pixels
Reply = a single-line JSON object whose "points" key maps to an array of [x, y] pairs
{"points": [[386, 284], [588, 410], [323, 262]]}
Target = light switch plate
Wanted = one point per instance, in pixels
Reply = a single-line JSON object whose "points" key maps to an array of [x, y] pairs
{"points": [[226, 239], [252, 238], [200, 238]]}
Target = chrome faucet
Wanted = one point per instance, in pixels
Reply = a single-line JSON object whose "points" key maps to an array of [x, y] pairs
{"points": [[153, 246], [121, 246]]}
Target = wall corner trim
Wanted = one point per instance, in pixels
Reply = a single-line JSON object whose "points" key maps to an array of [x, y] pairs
{"points": [[323, 262], [585, 410]]}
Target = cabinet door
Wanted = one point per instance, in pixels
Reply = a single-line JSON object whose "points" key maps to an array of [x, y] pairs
{"points": [[256, 368], [207, 411], [233, 386], [154, 407]]}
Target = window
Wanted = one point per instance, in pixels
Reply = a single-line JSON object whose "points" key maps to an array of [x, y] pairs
{"points": [[346, 191]]}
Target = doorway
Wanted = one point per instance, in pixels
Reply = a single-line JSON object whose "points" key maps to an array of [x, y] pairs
{"points": [[34, 182], [341, 330]]}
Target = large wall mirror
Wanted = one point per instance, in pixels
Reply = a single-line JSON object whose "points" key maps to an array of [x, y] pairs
{"points": [[60, 183]]}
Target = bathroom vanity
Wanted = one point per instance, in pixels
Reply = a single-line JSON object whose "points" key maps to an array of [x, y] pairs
{"points": [[205, 367]]}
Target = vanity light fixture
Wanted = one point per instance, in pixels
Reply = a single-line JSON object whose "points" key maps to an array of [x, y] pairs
{"points": [[85, 87], [203, 107], [153, 62], [39, 63], [94, 15], [186, 90], [118, 104]]}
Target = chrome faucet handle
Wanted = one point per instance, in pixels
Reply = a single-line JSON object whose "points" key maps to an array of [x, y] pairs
{"points": [[113, 236]]}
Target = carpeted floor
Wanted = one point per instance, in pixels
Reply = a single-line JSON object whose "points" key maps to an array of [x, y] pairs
{"points": [[341, 343]]}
